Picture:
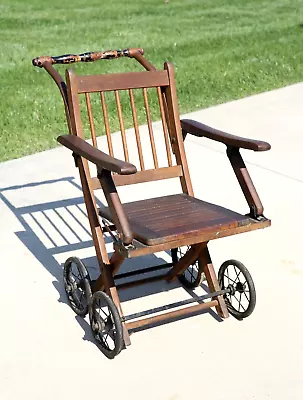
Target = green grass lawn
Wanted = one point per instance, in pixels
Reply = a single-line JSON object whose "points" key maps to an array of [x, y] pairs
{"points": [[221, 49]]}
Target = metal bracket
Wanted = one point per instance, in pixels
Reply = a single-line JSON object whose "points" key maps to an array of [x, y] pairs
{"points": [[129, 246], [253, 214], [75, 158], [106, 226]]}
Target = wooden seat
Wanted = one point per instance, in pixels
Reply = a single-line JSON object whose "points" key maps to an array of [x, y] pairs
{"points": [[163, 219]]}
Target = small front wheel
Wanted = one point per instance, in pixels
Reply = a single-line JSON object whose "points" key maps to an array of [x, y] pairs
{"points": [[106, 325], [77, 285], [241, 298]]}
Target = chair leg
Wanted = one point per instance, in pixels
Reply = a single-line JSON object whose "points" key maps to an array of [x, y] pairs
{"points": [[111, 290], [115, 262], [212, 281]]}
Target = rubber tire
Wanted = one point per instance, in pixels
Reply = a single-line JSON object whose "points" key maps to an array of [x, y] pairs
{"points": [[250, 283], [86, 284], [182, 278], [119, 341]]}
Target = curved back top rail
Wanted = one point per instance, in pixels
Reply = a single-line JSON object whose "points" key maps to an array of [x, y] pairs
{"points": [[47, 62], [86, 57]]}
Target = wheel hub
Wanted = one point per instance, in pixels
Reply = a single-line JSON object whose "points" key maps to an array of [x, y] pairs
{"points": [[231, 289], [71, 287], [240, 287], [98, 326], [80, 284]]}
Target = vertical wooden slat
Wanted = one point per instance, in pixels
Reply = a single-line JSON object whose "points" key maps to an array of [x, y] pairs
{"points": [[167, 118], [166, 138], [150, 128], [135, 120], [106, 124], [91, 120], [119, 109], [166, 113]]}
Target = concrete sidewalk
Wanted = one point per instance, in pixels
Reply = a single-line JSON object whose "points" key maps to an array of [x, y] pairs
{"points": [[46, 352]]}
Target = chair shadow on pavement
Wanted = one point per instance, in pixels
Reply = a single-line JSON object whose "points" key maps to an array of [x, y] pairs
{"points": [[54, 230]]}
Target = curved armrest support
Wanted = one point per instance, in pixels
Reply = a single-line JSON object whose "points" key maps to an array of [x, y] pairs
{"points": [[198, 129], [102, 160], [233, 143]]}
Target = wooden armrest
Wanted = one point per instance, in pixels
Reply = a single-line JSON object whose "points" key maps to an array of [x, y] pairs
{"points": [[82, 148], [198, 129]]}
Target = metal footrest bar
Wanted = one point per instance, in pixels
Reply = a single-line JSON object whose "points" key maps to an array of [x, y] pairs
{"points": [[139, 323], [142, 281], [174, 305], [143, 271]]}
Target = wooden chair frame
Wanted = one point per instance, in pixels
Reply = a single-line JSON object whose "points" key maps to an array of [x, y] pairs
{"points": [[113, 172]]}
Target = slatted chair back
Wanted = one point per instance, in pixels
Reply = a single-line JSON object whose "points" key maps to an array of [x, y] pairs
{"points": [[151, 83]]}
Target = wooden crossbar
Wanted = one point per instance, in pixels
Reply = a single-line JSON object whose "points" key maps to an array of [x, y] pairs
{"points": [[148, 175], [130, 80]]}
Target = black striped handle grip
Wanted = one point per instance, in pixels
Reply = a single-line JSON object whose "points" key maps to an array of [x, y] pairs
{"points": [[86, 57]]}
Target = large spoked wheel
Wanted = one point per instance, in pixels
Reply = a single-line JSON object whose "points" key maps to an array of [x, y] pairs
{"points": [[77, 285], [241, 299], [106, 325], [193, 275]]}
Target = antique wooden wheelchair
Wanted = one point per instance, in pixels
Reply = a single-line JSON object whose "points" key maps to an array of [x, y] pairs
{"points": [[179, 223]]}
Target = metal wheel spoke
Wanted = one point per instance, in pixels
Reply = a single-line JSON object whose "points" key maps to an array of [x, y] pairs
{"points": [[235, 297], [105, 340], [76, 276], [246, 295], [190, 269], [81, 297], [104, 313], [230, 302], [240, 301], [238, 274], [230, 279], [227, 275], [111, 334]]}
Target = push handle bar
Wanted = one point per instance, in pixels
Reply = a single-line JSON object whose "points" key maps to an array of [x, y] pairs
{"points": [[87, 57]]}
